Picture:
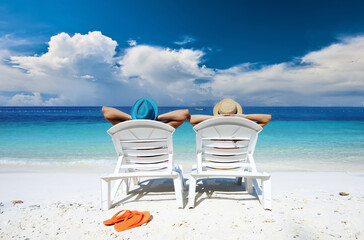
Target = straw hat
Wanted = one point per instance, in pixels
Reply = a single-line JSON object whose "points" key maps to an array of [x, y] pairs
{"points": [[227, 106], [144, 108]]}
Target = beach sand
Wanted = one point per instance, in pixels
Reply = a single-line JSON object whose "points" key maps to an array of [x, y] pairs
{"points": [[64, 203]]}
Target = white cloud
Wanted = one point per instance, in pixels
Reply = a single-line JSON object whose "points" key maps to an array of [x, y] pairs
{"points": [[69, 68], [185, 40], [132, 43], [9, 40], [66, 52], [162, 72], [35, 99], [26, 100], [331, 76], [155, 64]]}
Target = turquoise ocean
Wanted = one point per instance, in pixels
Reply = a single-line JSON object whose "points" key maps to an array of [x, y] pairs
{"points": [[297, 138]]}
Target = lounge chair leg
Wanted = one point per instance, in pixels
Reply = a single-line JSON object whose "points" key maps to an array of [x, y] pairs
{"points": [[248, 185], [125, 187], [105, 194], [239, 180], [181, 171], [179, 168], [192, 192], [178, 190], [135, 181], [267, 194]]}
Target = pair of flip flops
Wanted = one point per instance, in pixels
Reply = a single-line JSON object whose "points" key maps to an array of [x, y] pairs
{"points": [[126, 219]]}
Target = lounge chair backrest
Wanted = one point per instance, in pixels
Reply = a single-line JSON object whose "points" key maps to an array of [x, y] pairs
{"points": [[143, 145], [226, 143]]}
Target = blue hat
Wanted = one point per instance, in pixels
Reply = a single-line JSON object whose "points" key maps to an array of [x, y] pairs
{"points": [[144, 108]]}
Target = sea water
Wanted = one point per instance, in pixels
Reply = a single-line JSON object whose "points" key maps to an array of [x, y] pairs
{"points": [[297, 138]]}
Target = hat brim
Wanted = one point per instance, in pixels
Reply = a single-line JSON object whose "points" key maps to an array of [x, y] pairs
{"points": [[217, 106]]}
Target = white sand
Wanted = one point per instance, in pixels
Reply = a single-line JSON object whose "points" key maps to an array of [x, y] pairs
{"points": [[63, 203]]}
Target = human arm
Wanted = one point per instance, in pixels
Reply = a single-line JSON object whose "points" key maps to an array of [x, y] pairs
{"points": [[261, 119], [175, 118], [196, 119], [114, 116]]}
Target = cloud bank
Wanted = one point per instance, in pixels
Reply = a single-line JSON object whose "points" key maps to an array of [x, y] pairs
{"points": [[88, 70], [330, 76]]}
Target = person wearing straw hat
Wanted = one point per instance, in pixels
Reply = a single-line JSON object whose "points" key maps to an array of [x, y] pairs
{"points": [[229, 107], [145, 108]]}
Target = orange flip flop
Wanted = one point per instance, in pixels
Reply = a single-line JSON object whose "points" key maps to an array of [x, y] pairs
{"points": [[119, 216], [145, 219], [137, 220], [124, 225]]}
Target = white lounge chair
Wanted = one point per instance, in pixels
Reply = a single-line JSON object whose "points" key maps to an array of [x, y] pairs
{"points": [[225, 148], [145, 149]]}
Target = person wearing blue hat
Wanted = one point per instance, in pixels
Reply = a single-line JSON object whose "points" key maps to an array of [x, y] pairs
{"points": [[145, 108]]}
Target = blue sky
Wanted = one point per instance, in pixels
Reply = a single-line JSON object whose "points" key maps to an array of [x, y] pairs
{"points": [[183, 53]]}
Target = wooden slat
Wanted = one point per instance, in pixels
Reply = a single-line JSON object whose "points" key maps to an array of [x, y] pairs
{"points": [[145, 152], [219, 158], [145, 162], [225, 151], [146, 167], [226, 139], [158, 158], [225, 165], [143, 144], [238, 173], [225, 143], [139, 174], [143, 140]]}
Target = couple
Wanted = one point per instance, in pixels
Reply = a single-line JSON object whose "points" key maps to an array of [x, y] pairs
{"points": [[146, 108]]}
